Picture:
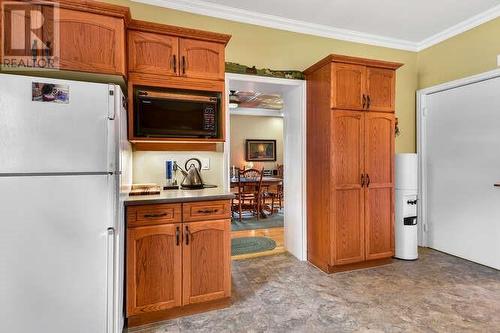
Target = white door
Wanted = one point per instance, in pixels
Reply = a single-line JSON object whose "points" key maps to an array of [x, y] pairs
{"points": [[462, 154], [56, 266], [44, 137]]}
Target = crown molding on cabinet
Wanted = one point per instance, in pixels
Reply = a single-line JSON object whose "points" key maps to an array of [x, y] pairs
{"points": [[276, 22]]}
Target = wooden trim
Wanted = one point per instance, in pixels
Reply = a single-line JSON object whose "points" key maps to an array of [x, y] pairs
{"points": [[179, 31], [359, 265], [97, 7], [352, 60], [153, 80], [173, 146], [187, 310]]}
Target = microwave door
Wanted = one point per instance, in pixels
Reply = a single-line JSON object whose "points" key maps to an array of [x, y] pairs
{"points": [[176, 117]]}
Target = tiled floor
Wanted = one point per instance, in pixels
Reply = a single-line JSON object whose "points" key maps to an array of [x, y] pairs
{"points": [[438, 293]]}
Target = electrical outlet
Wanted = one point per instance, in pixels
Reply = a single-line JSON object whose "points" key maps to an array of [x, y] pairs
{"points": [[205, 163]]}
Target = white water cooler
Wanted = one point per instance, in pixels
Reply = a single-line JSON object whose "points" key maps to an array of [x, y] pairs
{"points": [[406, 228]]}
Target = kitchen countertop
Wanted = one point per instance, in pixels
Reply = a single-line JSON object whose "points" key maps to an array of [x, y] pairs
{"points": [[176, 196]]}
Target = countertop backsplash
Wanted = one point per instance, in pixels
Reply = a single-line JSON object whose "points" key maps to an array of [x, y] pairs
{"points": [[149, 166]]}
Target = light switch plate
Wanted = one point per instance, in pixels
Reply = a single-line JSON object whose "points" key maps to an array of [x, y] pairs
{"points": [[205, 163], [498, 60]]}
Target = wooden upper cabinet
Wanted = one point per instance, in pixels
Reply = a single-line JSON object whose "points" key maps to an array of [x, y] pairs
{"points": [[348, 196], [206, 261], [380, 89], [90, 42], [154, 268], [379, 196], [201, 59], [348, 86], [153, 53]]}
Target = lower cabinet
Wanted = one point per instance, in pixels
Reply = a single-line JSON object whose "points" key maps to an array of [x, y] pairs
{"points": [[154, 268], [206, 261], [172, 265]]}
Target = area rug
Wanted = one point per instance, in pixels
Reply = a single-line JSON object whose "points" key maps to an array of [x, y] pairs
{"points": [[246, 245], [251, 223]]}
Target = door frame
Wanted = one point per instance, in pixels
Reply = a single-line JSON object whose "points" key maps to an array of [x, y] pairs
{"points": [[295, 234], [422, 95]]}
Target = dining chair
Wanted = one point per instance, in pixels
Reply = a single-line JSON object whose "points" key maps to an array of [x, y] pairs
{"points": [[249, 193]]}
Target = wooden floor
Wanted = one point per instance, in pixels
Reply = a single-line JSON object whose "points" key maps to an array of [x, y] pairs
{"points": [[277, 234]]}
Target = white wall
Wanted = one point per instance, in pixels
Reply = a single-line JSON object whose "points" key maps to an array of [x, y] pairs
{"points": [[149, 166]]}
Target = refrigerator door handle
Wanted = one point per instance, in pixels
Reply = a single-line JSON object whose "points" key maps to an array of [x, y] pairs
{"points": [[110, 279]]}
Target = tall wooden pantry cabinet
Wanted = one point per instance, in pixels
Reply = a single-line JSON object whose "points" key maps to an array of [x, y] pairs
{"points": [[350, 162]]}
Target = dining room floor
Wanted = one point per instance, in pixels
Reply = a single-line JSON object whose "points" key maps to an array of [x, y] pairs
{"points": [[437, 293]]}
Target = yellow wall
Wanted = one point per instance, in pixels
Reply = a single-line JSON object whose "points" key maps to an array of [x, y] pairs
{"points": [[277, 49], [472, 52], [252, 127]]}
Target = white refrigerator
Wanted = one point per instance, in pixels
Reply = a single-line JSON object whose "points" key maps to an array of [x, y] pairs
{"points": [[65, 168]]}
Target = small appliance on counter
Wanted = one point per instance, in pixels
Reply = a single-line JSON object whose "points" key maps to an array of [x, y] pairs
{"points": [[406, 206], [192, 175]]}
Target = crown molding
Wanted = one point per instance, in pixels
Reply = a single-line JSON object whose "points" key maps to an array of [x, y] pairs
{"points": [[276, 22], [459, 28]]}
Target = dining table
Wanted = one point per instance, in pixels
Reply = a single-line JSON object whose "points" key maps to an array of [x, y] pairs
{"points": [[266, 182]]}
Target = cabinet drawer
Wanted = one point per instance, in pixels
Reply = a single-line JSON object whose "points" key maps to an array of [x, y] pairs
{"points": [[206, 210], [153, 214]]}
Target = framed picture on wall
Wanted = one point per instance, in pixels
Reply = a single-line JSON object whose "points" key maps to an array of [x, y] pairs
{"points": [[261, 150]]}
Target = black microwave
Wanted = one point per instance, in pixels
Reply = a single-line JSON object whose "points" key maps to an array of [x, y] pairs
{"points": [[176, 113]]}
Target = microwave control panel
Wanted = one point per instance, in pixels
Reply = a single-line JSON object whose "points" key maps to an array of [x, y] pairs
{"points": [[209, 115]]}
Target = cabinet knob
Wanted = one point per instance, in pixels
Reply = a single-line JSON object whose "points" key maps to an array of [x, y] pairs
{"points": [[175, 63]]}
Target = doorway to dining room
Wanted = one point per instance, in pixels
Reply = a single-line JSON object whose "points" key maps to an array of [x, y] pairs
{"points": [[264, 127]]}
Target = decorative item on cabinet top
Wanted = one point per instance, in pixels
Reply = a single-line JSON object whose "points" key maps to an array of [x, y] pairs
{"points": [[232, 67]]}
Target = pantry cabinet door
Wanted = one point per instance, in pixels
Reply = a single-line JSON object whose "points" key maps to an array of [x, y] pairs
{"points": [[348, 86], [379, 193], [206, 261], [381, 90], [348, 198]]}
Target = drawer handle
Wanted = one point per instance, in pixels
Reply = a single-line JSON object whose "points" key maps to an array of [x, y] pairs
{"points": [[207, 211], [152, 216]]}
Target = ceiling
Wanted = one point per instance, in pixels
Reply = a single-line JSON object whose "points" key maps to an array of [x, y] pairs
{"points": [[404, 24]]}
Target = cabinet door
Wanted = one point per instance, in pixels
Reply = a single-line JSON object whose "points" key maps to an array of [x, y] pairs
{"points": [[347, 158], [202, 60], [154, 259], [153, 53], [380, 87], [379, 194], [90, 42], [348, 86], [206, 261]]}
